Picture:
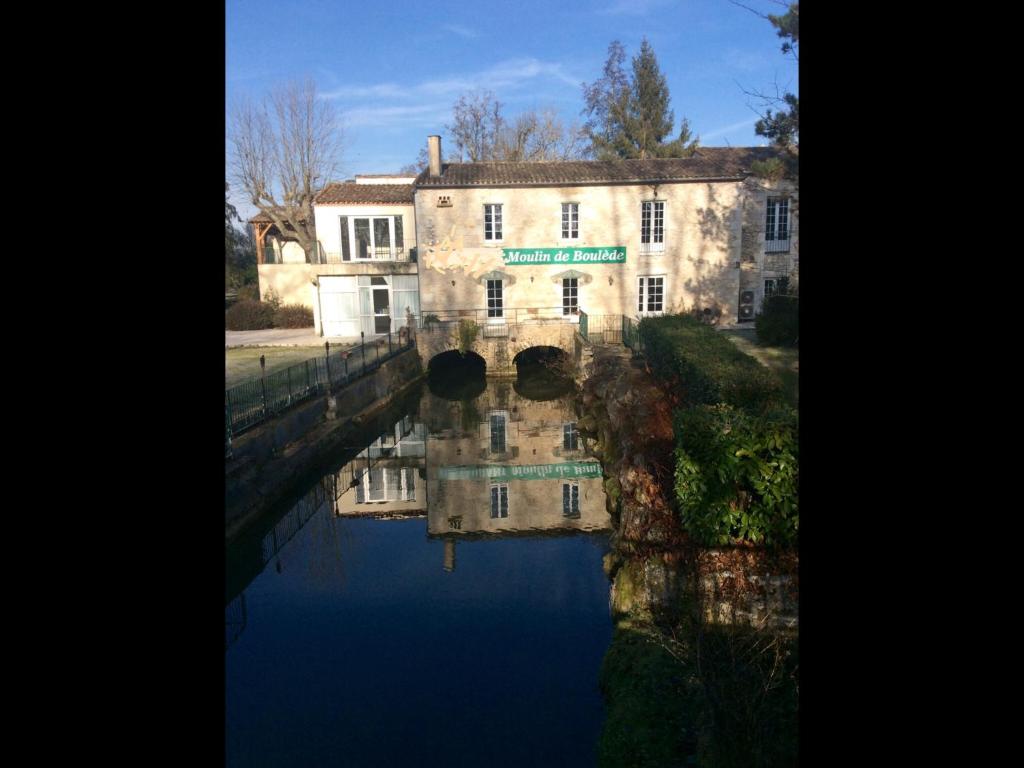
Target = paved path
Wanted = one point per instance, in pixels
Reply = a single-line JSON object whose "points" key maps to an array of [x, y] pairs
{"points": [[282, 337]]}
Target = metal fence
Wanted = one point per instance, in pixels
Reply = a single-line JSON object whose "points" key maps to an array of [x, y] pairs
{"points": [[509, 316], [601, 329], [259, 399]]}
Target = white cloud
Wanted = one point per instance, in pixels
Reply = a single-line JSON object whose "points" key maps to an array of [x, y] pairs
{"points": [[461, 31], [632, 7], [726, 129], [502, 77]]}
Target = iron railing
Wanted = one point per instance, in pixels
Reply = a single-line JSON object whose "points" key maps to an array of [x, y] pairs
{"points": [[258, 399], [381, 253], [508, 316]]}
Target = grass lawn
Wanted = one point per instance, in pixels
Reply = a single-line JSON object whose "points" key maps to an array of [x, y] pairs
{"points": [[242, 363], [783, 360]]}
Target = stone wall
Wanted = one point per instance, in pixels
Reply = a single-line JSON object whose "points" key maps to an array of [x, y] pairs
{"points": [[498, 351]]}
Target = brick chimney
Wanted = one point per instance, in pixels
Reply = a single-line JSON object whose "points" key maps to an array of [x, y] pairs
{"points": [[434, 153]]}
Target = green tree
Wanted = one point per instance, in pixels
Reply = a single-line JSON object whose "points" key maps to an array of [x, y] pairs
{"points": [[630, 117], [783, 126], [239, 249]]}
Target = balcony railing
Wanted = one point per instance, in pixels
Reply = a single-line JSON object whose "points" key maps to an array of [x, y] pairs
{"points": [[652, 247], [382, 253], [776, 246]]}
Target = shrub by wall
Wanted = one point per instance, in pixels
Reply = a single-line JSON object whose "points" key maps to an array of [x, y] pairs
{"points": [[779, 322], [705, 368], [246, 315], [737, 475], [293, 316]]}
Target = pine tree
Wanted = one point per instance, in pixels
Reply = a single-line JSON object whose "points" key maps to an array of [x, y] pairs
{"points": [[630, 117]]}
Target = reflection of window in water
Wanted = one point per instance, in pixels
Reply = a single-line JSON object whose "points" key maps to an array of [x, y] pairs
{"points": [[571, 499], [386, 484], [570, 437], [499, 500], [498, 422]]}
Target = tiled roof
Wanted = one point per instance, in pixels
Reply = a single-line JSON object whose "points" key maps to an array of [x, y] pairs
{"points": [[708, 163], [350, 192]]}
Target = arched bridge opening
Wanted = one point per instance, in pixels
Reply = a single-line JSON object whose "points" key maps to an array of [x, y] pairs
{"points": [[454, 376]]}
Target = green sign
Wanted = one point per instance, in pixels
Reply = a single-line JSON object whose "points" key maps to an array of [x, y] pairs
{"points": [[610, 255], [503, 472]]}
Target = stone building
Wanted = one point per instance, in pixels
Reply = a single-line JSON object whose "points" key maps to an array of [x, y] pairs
{"points": [[628, 237]]}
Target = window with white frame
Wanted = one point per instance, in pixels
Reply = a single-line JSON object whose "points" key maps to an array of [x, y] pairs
{"points": [[571, 499], [570, 296], [652, 226], [570, 221], [495, 299], [570, 437], [498, 423], [651, 295], [776, 225], [492, 222], [499, 500], [368, 238]]}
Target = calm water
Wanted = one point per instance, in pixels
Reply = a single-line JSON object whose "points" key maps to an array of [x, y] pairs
{"points": [[467, 630]]}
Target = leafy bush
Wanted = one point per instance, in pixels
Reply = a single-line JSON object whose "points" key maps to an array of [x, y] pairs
{"points": [[468, 331], [705, 367], [779, 321], [246, 315], [293, 316], [737, 475]]}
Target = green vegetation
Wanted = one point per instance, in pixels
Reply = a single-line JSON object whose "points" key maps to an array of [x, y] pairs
{"points": [[468, 331], [737, 475], [703, 368], [245, 315], [725, 698], [243, 363], [779, 321], [629, 116], [737, 449], [653, 702], [785, 361]]}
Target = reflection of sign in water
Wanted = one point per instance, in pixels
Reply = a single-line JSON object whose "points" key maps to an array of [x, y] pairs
{"points": [[521, 471], [607, 255]]}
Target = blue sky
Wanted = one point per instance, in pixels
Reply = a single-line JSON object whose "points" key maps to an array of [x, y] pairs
{"points": [[393, 69]]}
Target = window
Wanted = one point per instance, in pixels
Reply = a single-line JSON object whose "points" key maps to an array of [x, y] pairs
{"points": [[652, 226], [776, 286], [495, 299], [651, 296], [374, 237], [570, 437], [499, 500], [498, 422], [492, 222], [570, 499], [570, 221], [776, 225], [570, 296]]}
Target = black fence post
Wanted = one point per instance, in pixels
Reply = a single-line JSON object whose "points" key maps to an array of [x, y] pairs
{"points": [[327, 361], [289, 370], [263, 383]]}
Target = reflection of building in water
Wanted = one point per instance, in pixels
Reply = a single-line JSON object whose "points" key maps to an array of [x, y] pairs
{"points": [[513, 466], [387, 477]]}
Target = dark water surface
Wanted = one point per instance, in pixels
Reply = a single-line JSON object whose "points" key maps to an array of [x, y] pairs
{"points": [[467, 631]]}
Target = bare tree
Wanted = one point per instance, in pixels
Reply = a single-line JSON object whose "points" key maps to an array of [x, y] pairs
{"points": [[481, 133], [537, 136], [285, 150], [476, 124]]}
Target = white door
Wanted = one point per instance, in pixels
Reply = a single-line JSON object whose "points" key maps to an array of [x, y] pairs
{"points": [[339, 312]]}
